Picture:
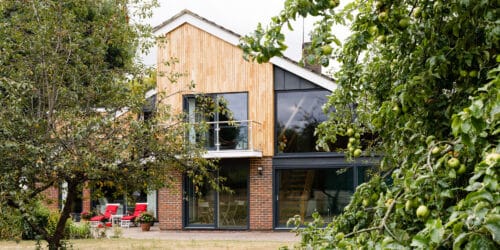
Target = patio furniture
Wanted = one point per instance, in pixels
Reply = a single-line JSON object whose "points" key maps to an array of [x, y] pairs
{"points": [[111, 209], [129, 219]]}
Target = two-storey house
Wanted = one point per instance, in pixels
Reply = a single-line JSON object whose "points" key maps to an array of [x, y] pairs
{"points": [[264, 137]]}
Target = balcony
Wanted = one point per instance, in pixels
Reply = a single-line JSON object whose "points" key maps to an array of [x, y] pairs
{"points": [[230, 139]]}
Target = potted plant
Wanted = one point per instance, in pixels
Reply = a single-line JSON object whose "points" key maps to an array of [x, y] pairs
{"points": [[146, 219], [85, 216]]}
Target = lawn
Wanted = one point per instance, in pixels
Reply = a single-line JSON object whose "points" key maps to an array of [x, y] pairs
{"points": [[137, 244]]}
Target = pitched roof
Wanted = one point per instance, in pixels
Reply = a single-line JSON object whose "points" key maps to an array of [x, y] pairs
{"points": [[233, 38]]}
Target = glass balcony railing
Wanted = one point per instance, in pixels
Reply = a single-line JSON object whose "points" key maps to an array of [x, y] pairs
{"points": [[228, 135]]}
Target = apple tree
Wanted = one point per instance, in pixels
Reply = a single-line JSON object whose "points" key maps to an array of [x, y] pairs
{"points": [[423, 76], [71, 94]]}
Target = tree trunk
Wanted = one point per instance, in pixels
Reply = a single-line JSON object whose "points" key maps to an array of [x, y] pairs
{"points": [[54, 240]]}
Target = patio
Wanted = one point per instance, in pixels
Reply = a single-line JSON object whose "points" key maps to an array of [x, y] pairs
{"points": [[156, 233]]}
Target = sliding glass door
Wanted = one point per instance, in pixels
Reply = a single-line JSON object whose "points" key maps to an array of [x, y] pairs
{"points": [[204, 207]]}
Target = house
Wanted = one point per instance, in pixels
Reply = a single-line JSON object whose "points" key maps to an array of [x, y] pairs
{"points": [[262, 134]]}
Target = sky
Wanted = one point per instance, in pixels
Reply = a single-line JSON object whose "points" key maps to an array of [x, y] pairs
{"points": [[239, 16]]}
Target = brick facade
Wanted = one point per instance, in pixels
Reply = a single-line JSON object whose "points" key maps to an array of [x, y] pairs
{"points": [[261, 194], [52, 198], [86, 199], [170, 204]]}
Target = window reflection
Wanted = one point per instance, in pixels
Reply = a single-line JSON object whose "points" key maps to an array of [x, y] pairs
{"points": [[226, 117], [304, 191], [298, 114]]}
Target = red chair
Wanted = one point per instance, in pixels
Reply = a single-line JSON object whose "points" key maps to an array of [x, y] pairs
{"points": [[111, 209], [128, 219]]}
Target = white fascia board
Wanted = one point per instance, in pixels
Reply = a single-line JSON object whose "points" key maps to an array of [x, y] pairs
{"points": [[201, 24], [304, 73], [235, 40], [150, 93], [232, 154]]}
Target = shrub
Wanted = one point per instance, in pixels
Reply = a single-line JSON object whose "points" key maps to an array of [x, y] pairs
{"points": [[78, 230], [11, 227]]}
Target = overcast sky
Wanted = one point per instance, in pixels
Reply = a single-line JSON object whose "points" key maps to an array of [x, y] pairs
{"points": [[239, 16]]}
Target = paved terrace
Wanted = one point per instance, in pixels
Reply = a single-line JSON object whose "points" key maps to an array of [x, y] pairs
{"points": [[156, 233]]}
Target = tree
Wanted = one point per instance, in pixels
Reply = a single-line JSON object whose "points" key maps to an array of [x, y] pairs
{"points": [[424, 77], [71, 93]]}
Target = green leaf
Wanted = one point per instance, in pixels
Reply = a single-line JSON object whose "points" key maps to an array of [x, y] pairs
{"points": [[466, 126], [492, 223], [456, 125], [436, 230], [419, 241], [478, 196], [457, 243]]}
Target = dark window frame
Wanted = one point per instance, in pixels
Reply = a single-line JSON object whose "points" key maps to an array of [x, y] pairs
{"points": [[185, 203]]}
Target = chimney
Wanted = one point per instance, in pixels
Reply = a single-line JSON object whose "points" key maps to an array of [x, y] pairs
{"points": [[314, 67]]}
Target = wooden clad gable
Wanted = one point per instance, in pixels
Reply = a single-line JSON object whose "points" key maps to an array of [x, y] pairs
{"points": [[216, 66]]}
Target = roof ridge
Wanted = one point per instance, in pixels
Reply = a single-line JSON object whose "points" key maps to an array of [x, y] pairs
{"points": [[191, 13]]}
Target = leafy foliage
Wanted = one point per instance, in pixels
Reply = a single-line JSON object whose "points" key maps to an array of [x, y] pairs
{"points": [[424, 77], [71, 94]]}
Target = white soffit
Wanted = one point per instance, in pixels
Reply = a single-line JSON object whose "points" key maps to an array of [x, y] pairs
{"points": [[234, 39], [232, 154]]}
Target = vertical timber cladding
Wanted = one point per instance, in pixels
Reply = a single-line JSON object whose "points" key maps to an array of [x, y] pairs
{"points": [[216, 66]]}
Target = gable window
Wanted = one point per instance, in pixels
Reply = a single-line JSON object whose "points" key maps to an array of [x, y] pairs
{"points": [[226, 117], [298, 112]]}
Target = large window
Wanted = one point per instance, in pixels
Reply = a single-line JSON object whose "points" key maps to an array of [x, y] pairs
{"points": [[127, 203], [304, 191], [225, 116], [298, 113]]}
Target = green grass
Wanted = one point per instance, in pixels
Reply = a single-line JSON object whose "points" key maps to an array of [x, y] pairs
{"points": [[139, 244]]}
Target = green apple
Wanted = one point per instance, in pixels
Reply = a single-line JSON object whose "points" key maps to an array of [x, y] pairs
{"points": [[350, 132], [435, 150], [326, 49], [339, 236], [366, 202], [357, 152], [382, 16], [417, 12], [422, 211], [453, 162], [462, 169], [408, 205], [373, 30], [404, 23], [381, 39]]}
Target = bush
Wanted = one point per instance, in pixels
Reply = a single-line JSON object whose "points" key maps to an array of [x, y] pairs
{"points": [[41, 216], [78, 230], [11, 227], [14, 227]]}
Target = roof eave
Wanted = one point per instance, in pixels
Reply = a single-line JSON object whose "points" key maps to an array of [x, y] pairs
{"points": [[233, 38]]}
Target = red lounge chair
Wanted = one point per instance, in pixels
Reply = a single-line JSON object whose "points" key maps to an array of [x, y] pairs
{"points": [[139, 208], [111, 209]]}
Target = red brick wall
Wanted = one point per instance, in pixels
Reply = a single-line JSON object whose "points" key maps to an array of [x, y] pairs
{"points": [[86, 199], [170, 204], [261, 194], [52, 198]]}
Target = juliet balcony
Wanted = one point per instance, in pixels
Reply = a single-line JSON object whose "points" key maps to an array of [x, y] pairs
{"points": [[229, 139]]}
